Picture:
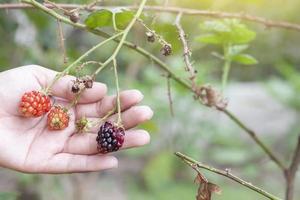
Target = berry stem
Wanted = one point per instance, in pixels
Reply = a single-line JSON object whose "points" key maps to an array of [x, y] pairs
{"points": [[95, 123], [68, 68], [124, 36], [119, 121], [226, 67]]}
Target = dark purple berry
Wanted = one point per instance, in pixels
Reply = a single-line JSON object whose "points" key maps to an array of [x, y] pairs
{"points": [[110, 138]]}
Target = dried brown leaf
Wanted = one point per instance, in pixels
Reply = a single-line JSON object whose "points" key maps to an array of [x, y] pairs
{"points": [[214, 188], [205, 188]]}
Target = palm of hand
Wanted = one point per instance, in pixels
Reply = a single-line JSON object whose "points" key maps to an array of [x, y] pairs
{"points": [[27, 145]]}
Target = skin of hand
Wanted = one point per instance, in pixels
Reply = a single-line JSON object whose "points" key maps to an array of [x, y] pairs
{"points": [[27, 145]]}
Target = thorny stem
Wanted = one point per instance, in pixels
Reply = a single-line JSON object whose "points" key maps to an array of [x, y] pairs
{"points": [[253, 135], [119, 121], [170, 95], [171, 9], [186, 50], [191, 162], [62, 41], [160, 39], [290, 173]]}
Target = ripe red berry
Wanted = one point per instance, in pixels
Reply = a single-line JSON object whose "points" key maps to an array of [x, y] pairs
{"points": [[58, 118], [110, 138], [34, 104]]}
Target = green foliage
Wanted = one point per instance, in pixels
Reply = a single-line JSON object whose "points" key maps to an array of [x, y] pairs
{"points": [[8, 195], [123, 18], [105, 17], [99, 19], [227, 31], [244, 59], [233, 37]]}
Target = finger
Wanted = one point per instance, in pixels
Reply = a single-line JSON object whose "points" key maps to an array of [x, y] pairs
{"points": [[130, 118], [62, 88], [70, 163], [86, 143], [128, 98]]}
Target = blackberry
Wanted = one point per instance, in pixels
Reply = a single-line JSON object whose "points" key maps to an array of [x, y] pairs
{"points": [[110, 138]]}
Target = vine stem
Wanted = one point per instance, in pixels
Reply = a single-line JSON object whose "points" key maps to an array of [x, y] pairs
{"points": [[124, 35], [67, 69], [252, 134], [173, 9], [226, 69], [191, 162], [119, 122], [166, 68]]}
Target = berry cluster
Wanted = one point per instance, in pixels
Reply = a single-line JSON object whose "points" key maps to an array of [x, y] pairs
{"points": [[110, 138], [36, 104]]}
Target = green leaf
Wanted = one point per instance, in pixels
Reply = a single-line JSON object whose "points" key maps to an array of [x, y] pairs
{"points": [[99, 19], [236, 49], [123, 18], [209, 39], [228, 31], [245, 59], [214, 26]]}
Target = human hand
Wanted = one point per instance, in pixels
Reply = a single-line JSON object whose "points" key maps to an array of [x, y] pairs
{"points": [[27, 145]]}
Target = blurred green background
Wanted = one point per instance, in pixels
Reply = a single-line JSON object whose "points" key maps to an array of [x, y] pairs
{"points": [[266, 96]]}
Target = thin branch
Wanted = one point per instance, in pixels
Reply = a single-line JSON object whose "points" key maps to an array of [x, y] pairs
{"points": [[290, 173], [162, 65], [186, 50], [191, 162], [119, 121], [170, 95], [254, 136], [186, 11], [61, 40]]}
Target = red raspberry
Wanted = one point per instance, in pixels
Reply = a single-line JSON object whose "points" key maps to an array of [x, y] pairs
{"points": [[58, 118], [110, 138], [34, 104]]}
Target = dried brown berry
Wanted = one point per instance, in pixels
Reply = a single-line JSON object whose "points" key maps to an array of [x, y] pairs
{"points": [[87, 81], [150, 36], [166, 49], [74, 17]]}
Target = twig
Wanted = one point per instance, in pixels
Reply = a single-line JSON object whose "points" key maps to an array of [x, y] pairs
{"points": [[227, 174], [186, 50], [254, 136], [170, 95], [119, 121], [61, 40], [186, 11], [66, 70], [290, 173], [162, 65]]}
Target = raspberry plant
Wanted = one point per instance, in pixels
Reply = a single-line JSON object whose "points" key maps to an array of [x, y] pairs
{"points": [[230, 34]]}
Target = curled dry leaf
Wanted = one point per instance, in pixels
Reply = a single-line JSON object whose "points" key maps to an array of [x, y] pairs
{"points": [[211, 97], [205, 188]]}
